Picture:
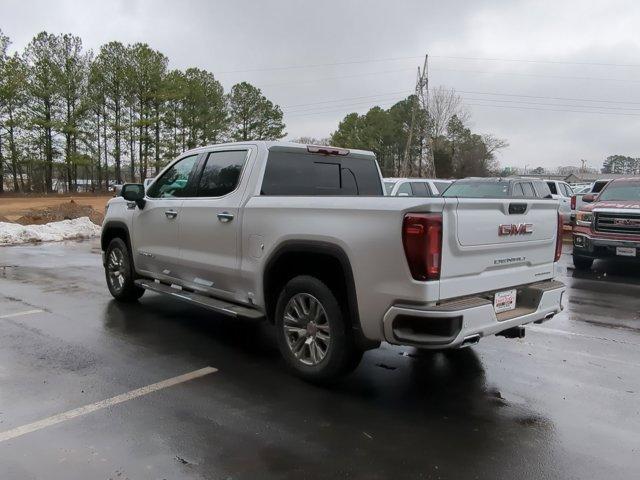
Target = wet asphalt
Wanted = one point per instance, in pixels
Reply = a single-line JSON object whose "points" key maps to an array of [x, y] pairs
{"points": [[561, 403]]}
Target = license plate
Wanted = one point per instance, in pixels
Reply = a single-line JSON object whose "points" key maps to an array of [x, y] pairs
{"points": [[626, 251], [504, 301]]}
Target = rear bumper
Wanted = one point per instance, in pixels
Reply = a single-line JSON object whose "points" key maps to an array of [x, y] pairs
{"points": [[461, 322]]}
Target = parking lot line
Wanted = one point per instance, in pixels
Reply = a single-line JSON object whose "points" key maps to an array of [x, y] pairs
{"points": [[123, 397], [19, 314]]}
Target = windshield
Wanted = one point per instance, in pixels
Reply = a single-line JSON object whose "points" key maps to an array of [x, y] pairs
{"points": [[621, 191], [481, 189], [388, 187]]}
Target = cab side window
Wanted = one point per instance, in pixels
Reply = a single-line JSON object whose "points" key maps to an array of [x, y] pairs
{"points": [[517, 190], [552, 187], [528, 190], [174, 183], [405, 189], [221, 173], [420, 189], [542, 190]]}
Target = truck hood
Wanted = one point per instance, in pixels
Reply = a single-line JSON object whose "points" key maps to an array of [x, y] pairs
{"points": [[617, 204]]}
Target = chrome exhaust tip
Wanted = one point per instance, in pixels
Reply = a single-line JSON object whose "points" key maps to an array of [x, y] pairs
{"points": [[470, 340]]}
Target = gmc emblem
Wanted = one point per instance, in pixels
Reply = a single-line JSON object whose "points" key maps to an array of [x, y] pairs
{"points": [[518, 229], [626, 222]]}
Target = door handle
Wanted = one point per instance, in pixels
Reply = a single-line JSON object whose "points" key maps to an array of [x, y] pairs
{"points": [[171, 213], [225, 217]]}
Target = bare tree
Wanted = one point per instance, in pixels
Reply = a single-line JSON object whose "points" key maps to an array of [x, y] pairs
{"points": [[444, 103], [493, 144], [312, 141]]}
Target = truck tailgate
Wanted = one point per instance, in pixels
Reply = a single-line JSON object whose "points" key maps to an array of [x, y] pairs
{"points": [[489, 244]]}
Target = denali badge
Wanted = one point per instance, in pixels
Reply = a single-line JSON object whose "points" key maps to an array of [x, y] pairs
{"points": [[517, 229]]}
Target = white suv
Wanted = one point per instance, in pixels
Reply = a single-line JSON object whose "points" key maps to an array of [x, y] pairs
{"points": [[415, 187]]}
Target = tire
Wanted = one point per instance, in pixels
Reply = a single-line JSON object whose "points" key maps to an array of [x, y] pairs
{"points": [[582, 263], [119, 272], [314, 337]]}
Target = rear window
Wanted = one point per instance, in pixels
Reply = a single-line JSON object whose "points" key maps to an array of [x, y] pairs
{"points": [[289, 173], [388, 187], [481, 189], [599, 185], [552, 187], [621, 191]]}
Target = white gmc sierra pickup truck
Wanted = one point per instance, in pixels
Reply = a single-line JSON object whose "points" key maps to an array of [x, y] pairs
{"points": [[304, 237]]}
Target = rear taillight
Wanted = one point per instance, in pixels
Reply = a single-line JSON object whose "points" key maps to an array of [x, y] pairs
{"points": [[573, 202], [422, 240], [559, 239]]}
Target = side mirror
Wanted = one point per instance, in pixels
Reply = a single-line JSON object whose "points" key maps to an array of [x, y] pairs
{"points": [[134, 192], [589, 197]]}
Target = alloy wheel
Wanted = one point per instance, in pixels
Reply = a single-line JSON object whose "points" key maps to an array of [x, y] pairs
{"points": [[306, 329]]}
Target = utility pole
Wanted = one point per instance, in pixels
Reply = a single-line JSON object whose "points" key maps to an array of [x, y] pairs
{"points": [[425, 162]]}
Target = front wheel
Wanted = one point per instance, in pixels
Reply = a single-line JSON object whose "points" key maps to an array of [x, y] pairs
{"points": [[118, 271], [314, 338], [582, 263]]}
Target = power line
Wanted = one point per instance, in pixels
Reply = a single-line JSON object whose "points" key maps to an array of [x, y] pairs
{"points": [[475, 92], [549, 98], [316, 65], [553, 110], [342, 110], [346, 106], [384, 72], [539, 75], [371, 97], [382, 96], [551, 62], [550, 104], [413, 57]]}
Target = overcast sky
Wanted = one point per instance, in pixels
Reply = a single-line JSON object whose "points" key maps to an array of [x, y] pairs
{"points": [[567, 72]]}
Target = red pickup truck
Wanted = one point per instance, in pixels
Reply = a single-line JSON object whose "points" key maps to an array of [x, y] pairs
{"points": [[608, 224]]}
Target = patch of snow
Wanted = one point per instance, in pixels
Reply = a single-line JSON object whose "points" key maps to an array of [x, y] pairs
{"points": [[13, 233]]}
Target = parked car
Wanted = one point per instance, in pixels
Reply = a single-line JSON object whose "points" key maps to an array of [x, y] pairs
{"points": [[562, 192], [608, 224], [493, 187], [576, 198], [305, 237], [415, 187]]}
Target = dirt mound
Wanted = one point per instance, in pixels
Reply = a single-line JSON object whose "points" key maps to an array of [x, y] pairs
{"points": [[4, 219], [64, 211]]}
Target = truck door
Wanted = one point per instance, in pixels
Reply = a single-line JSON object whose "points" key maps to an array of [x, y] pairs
{"points": [[155, 228], [210, 223]]}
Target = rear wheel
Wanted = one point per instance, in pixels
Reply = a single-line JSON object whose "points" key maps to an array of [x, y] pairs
{"points": [[314, 338], [582, 263], [119, 273]]}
